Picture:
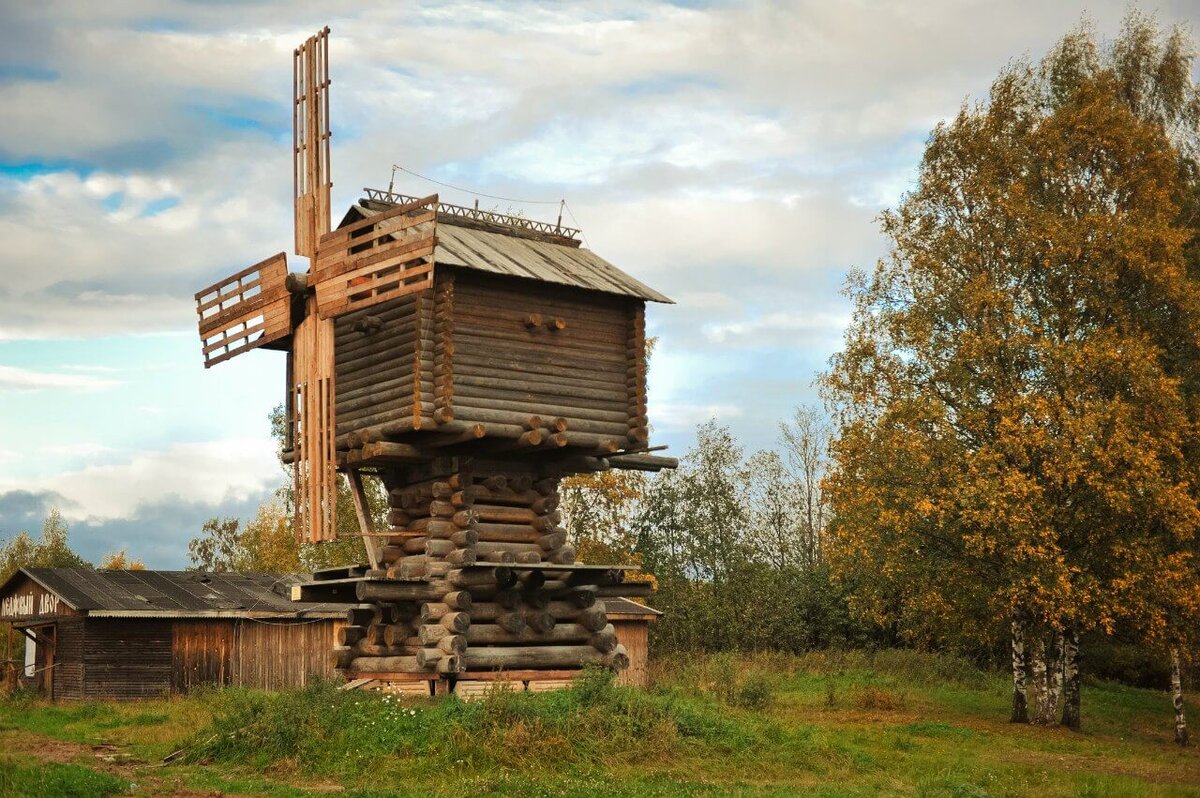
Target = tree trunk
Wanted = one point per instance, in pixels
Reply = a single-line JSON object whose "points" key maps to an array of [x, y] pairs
{"points": [[1181, 732], [1050, 686], [1020, 701], [1070, 714], [1037, 667]]}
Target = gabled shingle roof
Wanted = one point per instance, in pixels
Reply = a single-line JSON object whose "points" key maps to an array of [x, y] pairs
{"points": [[515, 253], [173, 593]]}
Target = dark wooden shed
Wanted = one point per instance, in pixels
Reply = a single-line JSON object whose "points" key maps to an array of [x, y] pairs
{"points": [[142, 634]]}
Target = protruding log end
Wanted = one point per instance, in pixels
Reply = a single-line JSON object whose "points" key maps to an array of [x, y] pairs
{"points": [[296, 283], [618, 660]]}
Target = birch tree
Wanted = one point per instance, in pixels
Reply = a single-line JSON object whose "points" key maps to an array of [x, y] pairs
{"points": [[1016, 399]]}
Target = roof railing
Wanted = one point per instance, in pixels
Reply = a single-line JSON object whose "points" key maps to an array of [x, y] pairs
{"points": [[489, 217]]}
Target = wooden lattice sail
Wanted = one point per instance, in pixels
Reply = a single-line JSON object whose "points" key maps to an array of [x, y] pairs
{"points": [[244, 311], [310, 141], [313, 428], [377, 259], [255, 307]]}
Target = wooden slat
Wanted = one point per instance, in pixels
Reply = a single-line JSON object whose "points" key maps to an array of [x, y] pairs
{"points": [[393, 257], [360, 250], [340, 296], [242, 323], [310, 141], [378, 261], [314, 428], [393, 220], [243, 273]]}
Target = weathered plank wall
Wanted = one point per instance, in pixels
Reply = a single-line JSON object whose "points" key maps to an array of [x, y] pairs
{"points": [[634, 634], [126, 659], [68, 658], [510, 359], [277, 655], [201, 653]]}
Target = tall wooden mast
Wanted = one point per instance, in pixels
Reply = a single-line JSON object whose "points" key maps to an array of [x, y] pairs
{"points": [[312, 372]]}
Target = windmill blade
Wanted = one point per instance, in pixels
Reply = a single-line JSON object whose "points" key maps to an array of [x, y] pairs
{"points": [[376, 259], [314, 428], [310, 141], [245, 310]]}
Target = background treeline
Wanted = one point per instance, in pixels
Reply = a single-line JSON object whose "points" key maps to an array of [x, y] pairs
{"points": [[734, 543]]}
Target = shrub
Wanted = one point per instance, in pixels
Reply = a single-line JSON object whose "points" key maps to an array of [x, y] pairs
{"points": [[756, 692], [877, 699]]}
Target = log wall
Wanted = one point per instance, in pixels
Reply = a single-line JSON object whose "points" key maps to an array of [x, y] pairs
{"points": [[375, 351], [458, 606], [525, 348]]}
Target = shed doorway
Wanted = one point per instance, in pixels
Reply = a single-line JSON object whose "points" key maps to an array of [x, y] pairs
{"points": [[38, 670]]}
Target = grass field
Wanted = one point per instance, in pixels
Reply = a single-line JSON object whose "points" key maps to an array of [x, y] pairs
{"points": [[827, 723]]}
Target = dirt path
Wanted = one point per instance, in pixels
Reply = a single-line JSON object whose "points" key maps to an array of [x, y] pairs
{"points": [[147, 778]]}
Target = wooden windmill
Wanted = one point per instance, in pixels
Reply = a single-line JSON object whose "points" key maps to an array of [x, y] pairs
{"points": [[470, 360], [255, 308]]}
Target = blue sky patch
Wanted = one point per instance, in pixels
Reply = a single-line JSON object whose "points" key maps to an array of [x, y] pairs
{"points": [[26, 170], [155, 207], [12, 73]]}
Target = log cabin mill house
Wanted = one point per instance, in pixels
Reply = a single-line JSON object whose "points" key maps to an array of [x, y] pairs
{"points": [[469, 361], [143, 634]]}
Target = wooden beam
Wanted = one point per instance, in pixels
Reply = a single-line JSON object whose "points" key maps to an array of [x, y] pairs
{"points": [[365, 525]]}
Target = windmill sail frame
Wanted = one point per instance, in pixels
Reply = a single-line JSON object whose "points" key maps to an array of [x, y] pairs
{"points": [[310, 141], [245, 310]]}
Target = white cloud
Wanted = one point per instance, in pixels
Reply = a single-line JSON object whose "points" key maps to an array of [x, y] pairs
{"points": [[777, 328], [91, 367], [19, 379], [684, 416], [82, 450], [209, 473]]}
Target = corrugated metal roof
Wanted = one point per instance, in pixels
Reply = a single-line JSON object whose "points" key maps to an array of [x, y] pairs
{"points": [[518, 255], [174, 592]]}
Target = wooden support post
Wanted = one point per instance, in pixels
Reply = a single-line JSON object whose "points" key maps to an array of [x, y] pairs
{"points": [[373, 544]]}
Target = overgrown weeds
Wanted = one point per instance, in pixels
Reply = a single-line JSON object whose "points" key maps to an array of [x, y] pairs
{"points": [[878, 699], [333, 731], [745, 682]]}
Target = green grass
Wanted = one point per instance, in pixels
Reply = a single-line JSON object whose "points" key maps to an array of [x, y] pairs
{"points": [[28, 778], [829, 723]]}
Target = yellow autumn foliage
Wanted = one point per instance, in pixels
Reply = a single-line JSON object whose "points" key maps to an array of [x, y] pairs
{"points": [[1018, 397]]}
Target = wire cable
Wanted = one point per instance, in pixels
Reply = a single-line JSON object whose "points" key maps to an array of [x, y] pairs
{"points": [[578, 226], [398, 167]]}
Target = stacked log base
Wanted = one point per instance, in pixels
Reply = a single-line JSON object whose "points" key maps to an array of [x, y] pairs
{"points": [[468, 598]]}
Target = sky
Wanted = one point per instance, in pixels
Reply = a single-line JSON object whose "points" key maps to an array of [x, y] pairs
{"points": [[733, 156]]}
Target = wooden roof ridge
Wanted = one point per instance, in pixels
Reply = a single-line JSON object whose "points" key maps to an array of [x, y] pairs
{"points": [[463, 216]]}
